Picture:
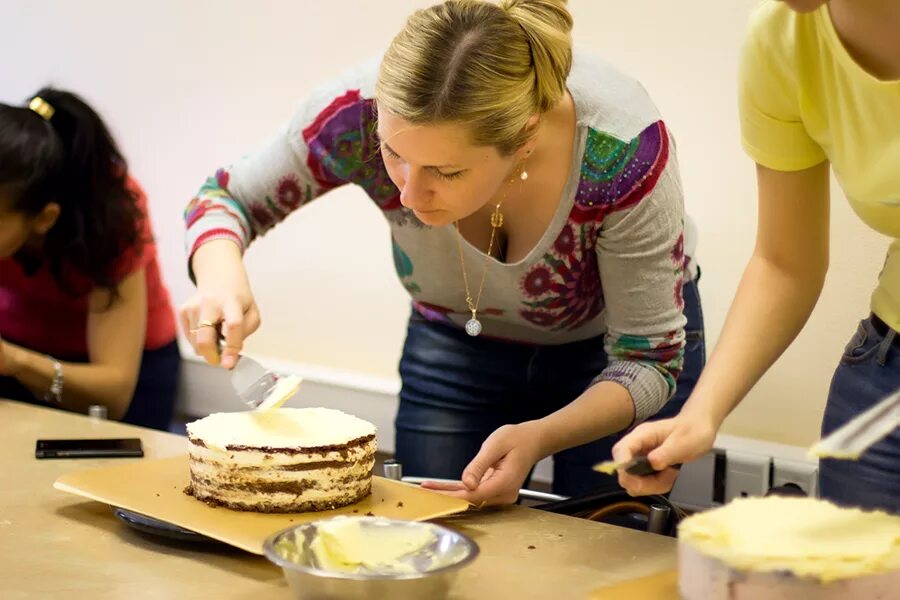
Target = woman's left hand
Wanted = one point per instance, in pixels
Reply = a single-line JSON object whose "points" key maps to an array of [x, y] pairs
{"points": [[497, 472]]}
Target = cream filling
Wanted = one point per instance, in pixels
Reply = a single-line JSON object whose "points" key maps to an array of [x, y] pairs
{"points": [[806, 536], [323, 477], [279, 499], [257, 459], [342, 544], [280, 428]]}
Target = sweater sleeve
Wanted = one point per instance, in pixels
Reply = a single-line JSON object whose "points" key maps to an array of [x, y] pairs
{"points": [[641, 260], [330, 141]]}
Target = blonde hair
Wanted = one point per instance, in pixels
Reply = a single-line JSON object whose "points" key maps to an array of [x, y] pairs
{"points": [[489, 67]]}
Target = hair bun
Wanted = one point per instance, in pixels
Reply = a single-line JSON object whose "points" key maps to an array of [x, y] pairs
{"points": [[548, 26]]}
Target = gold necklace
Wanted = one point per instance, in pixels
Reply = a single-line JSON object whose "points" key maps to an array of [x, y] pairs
{"points": [[473, 325]]}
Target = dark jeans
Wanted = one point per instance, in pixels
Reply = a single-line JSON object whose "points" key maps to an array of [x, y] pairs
{"points": [[154, 396], [458, 389], [869, 370]]}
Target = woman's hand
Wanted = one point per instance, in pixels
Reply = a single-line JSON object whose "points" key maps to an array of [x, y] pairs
{"points": [[223, 304], [499, 469], [665, 443], [207, 313]]}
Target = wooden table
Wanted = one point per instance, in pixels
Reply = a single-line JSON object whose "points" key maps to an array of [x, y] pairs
{"points": [[55, 545]]}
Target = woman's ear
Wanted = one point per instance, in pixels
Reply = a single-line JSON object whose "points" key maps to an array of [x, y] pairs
{"points": [[530, 130], [46, 219]]}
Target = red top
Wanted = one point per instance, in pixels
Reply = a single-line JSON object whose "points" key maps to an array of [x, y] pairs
{"points": [[37, 314]]}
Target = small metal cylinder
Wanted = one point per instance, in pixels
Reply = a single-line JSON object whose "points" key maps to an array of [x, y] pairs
{"points": [[658, 518], [97, 411], [393, 470]]}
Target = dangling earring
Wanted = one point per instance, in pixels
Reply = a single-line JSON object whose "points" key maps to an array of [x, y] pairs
{"points": [[524, 174]]}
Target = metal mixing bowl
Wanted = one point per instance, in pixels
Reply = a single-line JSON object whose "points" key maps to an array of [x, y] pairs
{"points": [[435, 566]]}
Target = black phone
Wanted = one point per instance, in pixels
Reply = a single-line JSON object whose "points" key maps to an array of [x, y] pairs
{"points": [[92, 448]]}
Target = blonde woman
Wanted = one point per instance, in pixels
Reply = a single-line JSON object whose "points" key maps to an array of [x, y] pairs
{"points": [[537, 222], [820, 87]]}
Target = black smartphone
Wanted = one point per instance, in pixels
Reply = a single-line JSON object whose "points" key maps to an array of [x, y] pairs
{"points": [[95, 448]]}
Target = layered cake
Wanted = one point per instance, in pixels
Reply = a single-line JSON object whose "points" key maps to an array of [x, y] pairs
{"points": [[282, 460], [788, 548]]}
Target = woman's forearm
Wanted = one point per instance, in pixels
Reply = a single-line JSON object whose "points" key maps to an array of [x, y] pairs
{"points": [[84, 384], [603, 409], [771, 307]]}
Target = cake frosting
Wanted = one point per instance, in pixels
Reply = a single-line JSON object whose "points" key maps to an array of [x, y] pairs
{"points": [[779, 547], [283, 390], [343, 544], [281, 460]]}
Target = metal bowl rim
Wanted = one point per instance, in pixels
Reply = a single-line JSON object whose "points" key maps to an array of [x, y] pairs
{"points": [[272, 555]]}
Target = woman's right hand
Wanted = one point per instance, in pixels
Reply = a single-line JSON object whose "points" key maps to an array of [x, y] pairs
{"points": [[222, 306], [665, 443]]}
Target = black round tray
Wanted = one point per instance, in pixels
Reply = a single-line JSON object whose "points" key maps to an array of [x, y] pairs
{"points": [[153, 526]]}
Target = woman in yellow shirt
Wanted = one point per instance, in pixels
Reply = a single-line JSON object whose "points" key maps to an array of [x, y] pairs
{"points": [[820, 87]]}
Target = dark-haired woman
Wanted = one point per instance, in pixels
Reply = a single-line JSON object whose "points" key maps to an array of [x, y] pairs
{"points": [[84, 316]]}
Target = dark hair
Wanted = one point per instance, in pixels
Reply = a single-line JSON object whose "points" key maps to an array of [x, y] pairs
{"points": [[71, 159]]}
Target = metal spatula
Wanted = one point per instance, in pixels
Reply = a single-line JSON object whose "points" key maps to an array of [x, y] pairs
{"points": [[639, 465], [855, 437], [260, 388]]}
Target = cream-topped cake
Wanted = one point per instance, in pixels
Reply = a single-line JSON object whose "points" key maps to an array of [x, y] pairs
{"points": [[281, 460], [786, 548]]}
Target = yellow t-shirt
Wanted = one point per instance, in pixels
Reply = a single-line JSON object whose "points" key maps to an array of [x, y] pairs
{"points": [[804, 99]]}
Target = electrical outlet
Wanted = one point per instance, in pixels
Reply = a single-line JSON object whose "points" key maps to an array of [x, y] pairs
{"points": [[804, 474], [694, 487], [746, 474]]}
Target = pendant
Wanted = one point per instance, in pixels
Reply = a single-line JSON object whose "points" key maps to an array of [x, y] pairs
{"points": [[473, 327]]}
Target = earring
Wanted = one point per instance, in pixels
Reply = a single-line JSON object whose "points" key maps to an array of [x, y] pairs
{"points": [[524, 174]]}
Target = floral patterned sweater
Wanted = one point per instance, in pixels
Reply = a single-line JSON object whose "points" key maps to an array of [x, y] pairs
{"points": [[611, 263]]}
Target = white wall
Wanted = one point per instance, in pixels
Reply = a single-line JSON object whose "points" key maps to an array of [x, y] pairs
{"points": [[188, 86]]}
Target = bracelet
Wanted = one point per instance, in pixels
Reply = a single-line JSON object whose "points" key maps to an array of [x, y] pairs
{"points": [[54, 394]]}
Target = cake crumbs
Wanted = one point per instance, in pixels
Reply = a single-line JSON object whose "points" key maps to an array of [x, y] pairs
{"points": [[355, 510], [370, 514], [531, 547], [400, 505]]}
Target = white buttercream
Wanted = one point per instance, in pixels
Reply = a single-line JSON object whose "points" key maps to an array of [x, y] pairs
{"points": [[280, 428]]}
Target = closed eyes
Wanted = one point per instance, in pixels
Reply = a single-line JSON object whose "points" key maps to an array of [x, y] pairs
{"points": [[446, 176]]}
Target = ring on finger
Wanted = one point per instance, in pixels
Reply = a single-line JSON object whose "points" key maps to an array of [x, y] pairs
{"points": [[203, 324]]}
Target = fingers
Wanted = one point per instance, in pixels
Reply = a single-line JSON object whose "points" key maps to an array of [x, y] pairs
{"points": [[644, 439], [490, 454], [185, 318], [454, 489], [203, 339], [674, 450], [484, 496], [206, 330], [660, 483], [232, 330], [444, 486], [497, 487], [217, 329], [689, 439], [665, 443]]}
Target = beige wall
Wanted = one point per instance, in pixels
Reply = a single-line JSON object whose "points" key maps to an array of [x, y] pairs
{"points": [[190, 85]]}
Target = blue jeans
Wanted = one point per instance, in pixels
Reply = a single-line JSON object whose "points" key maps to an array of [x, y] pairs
{"points": [[458, 389], [869, 371]]}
